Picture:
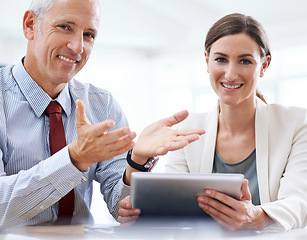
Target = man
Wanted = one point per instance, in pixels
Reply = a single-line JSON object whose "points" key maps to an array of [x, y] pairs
{"points": [[34, 178]]}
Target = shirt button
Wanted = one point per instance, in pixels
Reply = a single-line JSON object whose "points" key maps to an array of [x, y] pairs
{"points": [[42, 207], [83, 179], [72, 183]]}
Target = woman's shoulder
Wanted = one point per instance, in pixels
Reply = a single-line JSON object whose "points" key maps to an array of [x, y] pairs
{"points": [[281, 109], [280, 113]]}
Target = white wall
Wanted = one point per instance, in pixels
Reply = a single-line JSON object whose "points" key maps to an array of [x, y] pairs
{"points": [[155, 73]]}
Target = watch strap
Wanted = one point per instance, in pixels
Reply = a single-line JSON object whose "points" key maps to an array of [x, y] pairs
{"points": [[143, 168]]}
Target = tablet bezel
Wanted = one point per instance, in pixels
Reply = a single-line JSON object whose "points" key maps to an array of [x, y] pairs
{"points": [[175, 194]]}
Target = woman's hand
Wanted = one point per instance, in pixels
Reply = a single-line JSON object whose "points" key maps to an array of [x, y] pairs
{"points": [[234, 214], [127, 214]]}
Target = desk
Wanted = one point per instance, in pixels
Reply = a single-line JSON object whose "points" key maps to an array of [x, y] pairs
{"points": [[78, 232]]}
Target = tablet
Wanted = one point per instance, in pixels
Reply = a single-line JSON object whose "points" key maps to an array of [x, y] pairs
{"points": [[169, 194]]}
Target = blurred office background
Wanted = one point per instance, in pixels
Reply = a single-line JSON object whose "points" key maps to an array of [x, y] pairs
{"points": [[149, 54]]}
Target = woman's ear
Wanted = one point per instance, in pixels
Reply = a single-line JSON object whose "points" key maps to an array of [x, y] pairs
{"points": [[29, 24], [265, 65], [207, 60]]}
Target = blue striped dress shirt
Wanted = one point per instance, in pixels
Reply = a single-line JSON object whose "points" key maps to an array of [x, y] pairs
{"points": [[32, 181]]}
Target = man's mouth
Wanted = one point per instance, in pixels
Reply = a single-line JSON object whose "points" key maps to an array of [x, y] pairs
{"points": [[231, 86], [67, 59]]}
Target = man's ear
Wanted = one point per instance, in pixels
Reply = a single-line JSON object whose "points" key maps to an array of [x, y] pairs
{"points": [[29, 24]]}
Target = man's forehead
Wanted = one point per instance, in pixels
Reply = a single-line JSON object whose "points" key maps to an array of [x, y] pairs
{"points": [[75, 13], [90, 7]]}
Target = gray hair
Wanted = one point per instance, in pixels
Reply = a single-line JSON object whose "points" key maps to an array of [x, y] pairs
{"points": [[40, 7]]}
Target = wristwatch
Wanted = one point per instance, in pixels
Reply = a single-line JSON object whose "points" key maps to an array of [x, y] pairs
{"points": [[143, 168]]}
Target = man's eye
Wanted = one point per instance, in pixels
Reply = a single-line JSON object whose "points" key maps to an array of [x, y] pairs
{"points": [[65, 27], [89, 35]]}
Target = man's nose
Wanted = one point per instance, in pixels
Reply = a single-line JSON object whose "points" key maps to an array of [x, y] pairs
{"points": [[76, 44]]}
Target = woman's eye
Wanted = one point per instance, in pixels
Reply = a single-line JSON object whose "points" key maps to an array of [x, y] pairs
{"points": [[245, 62], [220, 60]]}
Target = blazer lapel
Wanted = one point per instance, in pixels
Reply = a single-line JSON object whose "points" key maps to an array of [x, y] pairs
{"points": [[209, 143], [262, 145]]}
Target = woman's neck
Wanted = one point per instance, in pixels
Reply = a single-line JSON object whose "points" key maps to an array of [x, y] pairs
{"points": [[238, 118]]}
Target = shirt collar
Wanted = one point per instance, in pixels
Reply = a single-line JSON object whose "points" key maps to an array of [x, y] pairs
{"points": [[35, 95]]}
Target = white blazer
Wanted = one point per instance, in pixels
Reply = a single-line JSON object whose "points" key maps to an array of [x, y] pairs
{"points": [[281, 156]]}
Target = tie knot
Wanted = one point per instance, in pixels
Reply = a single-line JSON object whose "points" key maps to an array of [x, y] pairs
{"points": [[53, 107]]}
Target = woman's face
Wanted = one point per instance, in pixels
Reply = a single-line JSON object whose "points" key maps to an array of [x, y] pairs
{"points": [[234, 66]]}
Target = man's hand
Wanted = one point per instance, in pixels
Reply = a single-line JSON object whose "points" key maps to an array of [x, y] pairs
{"points": [[94, 143], [159, 138], [127, 214]]}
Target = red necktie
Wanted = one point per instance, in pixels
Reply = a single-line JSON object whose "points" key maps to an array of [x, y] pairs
{"points": [[57, 142]]}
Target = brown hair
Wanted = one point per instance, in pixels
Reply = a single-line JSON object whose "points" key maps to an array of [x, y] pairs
{"points": [[238, 23]]}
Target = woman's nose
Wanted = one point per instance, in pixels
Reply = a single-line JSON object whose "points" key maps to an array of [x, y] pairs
{"points": [[231, 73]]}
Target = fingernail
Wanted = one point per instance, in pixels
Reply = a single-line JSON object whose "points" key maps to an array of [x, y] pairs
{"points": [[110, 124], [126, 131], [132, 135], [201, 198]]}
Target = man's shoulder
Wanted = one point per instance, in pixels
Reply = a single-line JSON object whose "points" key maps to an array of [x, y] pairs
{"points": [[87, 89], [5, 75], [100, 103]]}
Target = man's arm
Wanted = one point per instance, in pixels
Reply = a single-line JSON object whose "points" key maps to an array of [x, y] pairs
{"points": [[30, 192]]}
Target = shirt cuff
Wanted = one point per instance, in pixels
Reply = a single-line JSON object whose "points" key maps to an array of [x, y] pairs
{"points": [[126, 188], [61, 173]]}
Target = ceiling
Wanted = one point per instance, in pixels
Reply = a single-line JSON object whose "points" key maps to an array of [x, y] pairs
{"points": [[154, 27]]}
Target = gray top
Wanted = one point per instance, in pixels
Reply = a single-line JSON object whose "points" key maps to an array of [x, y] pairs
{"points": [[247, 167]]}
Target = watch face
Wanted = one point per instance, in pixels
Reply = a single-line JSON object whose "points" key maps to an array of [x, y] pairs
{"points": [[151, 162], [148, 165]]}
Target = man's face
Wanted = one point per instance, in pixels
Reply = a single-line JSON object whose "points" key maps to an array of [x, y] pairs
{"points": [[62, 45]]}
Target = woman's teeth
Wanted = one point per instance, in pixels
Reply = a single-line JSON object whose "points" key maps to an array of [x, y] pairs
{"points": [[231, 86]]}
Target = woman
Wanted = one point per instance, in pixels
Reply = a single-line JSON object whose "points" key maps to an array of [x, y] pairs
{"points": [[267, 143]]}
